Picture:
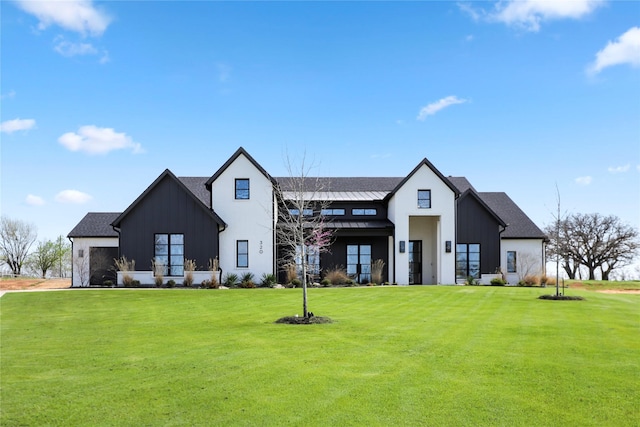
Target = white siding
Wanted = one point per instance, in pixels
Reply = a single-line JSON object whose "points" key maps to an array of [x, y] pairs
{"points": [[80, 265], [251, 220], [439, 267], [529, 257]]}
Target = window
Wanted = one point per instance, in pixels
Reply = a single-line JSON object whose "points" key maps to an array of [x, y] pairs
{"points": [[242, 253], [467, 261], [335, 212], [424, 199], [242, 189], [364, 212], [305, 212], [80, 253], [511, 262], [169, 250]]}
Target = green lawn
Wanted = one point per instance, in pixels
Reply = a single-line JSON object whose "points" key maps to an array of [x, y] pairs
{"points": [[393, 356]]}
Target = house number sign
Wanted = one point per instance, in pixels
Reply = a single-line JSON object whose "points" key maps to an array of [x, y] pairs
{"points": [[260, 251]]}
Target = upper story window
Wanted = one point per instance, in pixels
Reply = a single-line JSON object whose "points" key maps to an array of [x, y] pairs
{"points": [[359, 211], [242, 189], [424, 199], [305, 212], [335, 212]]}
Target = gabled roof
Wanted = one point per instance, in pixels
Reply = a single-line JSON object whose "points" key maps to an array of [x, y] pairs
{"points": [[196, 184], [470, 192], [95, 224], [168, 175], [239, 151], [461, 183], [519, 225], [427, 163]]}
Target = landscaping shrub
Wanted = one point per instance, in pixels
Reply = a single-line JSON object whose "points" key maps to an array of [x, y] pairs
{"points": [[291, 272], [325, 282], [377, 267], [171, 283], [337, 276], [107, 283], [246, 281], [125, 266], [268, 280], [471, 281], [210, 284], [529, 280], [230, 280], [350, 282], [498, 281], [158, 268], [296, 283], [189, 268]]}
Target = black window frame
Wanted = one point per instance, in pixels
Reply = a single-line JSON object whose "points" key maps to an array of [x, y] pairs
{"points": [[242, 193], [421, 198], [244, 253], [171, 268], [463, 263], [333, 212]]}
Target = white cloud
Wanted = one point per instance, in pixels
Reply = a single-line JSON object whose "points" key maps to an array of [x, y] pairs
{"points": [[529, 14], [94, 140], [10, 95], [14, 125], [32, 200], [80, 16], [584, 180], [434, 107], [619, 169], [624, 50], [72, 196], [66, 48]]}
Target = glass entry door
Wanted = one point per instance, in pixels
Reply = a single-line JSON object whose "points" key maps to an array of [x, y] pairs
{"points": [[359, 262], [415, 262]]}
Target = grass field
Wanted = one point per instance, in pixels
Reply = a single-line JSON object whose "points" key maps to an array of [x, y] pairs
{"points": [[393, 356]]}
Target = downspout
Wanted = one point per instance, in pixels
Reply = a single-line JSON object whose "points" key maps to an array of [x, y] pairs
{"points": [[224, 227]]}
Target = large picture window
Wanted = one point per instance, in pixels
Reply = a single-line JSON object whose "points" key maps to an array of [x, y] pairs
{"points": [[242, 189], [242, 254], [511, 262], [467, 260], [424, 199], [169, 250]]}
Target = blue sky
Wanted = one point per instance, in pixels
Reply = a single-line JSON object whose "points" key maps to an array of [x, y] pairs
{"points": [[98, 98]]}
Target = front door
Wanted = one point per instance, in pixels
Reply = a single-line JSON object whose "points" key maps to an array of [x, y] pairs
{"points": [[359, 262], [415, 262]]}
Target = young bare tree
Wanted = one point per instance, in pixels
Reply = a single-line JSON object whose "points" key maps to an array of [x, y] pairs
{"points": [[301, 231], [16, 238], [81, 267]]}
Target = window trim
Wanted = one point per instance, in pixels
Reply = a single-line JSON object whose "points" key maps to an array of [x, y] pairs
{"points": [[333, 212], [423, 199], [238, 254], [238, 192]]}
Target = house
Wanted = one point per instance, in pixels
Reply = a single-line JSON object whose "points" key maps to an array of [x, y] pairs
{"points": [[425, 227]]}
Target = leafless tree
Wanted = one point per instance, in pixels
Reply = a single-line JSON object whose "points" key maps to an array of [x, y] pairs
{"points": [[81, 267], [599, 243], [16, 238], [528, 264], [301, 230]]}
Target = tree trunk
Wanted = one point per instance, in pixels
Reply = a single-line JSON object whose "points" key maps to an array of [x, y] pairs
{"points": [[592, 273], [304, 281]]}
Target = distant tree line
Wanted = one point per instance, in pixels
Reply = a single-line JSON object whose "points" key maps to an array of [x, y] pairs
{"points": [[18, 237], [598, 243]]}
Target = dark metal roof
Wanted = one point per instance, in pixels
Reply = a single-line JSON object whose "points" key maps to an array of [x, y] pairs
{"points": [[519, 225], [340, 184], [360, 224], [95, 224], [196, 185]]}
